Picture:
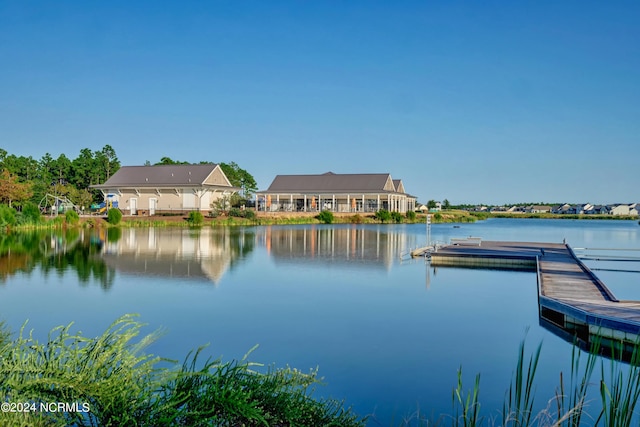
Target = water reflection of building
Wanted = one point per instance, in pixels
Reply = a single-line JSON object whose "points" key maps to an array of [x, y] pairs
{"points": [[183, 253], [356, 245]]}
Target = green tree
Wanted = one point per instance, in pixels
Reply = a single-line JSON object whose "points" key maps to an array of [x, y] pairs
{"points": [[24, 167], [431, 204], [446, 205], [170, 161], [239, 177], [45, 167], [83, 169], [61, 169], [106, 162]]}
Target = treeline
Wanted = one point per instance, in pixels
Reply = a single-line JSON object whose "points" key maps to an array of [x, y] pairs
{"points": [[25, 179]]}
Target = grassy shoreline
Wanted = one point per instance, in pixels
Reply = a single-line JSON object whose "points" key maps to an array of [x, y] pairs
{"points": [[288, 218]]}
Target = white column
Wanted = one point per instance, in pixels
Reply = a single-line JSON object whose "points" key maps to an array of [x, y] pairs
{"points": [[305, 203]]}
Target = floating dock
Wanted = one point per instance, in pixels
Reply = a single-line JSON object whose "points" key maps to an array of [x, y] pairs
{"points": [[570, 296]]}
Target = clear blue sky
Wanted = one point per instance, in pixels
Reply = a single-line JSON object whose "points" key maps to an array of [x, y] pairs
{"points": [[493, 102]]}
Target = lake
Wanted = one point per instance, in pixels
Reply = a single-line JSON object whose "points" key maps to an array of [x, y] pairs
{"points": [[387, 333]]}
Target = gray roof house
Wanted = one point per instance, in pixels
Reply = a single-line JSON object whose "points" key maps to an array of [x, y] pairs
{"points": [[145, 190], [336, 192]]}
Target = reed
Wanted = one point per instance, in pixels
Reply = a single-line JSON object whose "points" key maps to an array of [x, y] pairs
{"points": [[123, 386], [570, 401], [619, 399], [517, 409], [466, 406]]}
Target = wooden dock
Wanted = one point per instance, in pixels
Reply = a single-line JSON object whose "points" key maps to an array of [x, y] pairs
{"points": [[570, 296]]}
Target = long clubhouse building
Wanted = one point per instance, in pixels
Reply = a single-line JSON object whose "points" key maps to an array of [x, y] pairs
{"points": [[335, 192]]}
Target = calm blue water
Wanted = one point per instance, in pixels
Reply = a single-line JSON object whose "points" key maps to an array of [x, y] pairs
{"points": [[387, 335]]}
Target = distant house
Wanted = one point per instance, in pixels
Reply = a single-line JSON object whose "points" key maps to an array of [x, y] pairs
{"points": [[147, 190], [597, 210], [499, 209], [538, 209], [336, 193], [620, 209], [561, 209]]}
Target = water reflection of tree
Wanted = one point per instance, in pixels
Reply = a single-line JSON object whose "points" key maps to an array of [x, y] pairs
{"points": [[55, 252], [241, 244], [16, 253]]}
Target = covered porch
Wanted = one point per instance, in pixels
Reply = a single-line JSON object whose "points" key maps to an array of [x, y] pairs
{"points": [[338, 202]]}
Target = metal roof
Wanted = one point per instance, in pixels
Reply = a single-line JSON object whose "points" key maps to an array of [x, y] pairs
{"points": [[159, 175], [330, 182]]}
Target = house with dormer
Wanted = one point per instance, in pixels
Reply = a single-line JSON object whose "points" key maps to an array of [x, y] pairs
{"points": [[368, 192]]}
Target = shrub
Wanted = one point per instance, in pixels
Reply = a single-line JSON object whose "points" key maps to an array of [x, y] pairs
{"points": [[356, 219], [7, 216], [396, 216], [114, 216], [383, 215], [411, 215], [249, 214], [325, 217], [31, 213], [58, 220], [195, 218], [437, 216], [236, 212], [71, 217]]}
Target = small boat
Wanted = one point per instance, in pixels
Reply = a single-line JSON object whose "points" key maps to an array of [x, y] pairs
{"points": [[456, 226]]}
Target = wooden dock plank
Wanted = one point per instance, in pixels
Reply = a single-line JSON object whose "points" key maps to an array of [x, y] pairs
{"points": [[562, 277]]}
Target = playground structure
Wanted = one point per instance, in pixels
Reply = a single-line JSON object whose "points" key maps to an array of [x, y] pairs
{"points": [[102, 208], [56, 205]]}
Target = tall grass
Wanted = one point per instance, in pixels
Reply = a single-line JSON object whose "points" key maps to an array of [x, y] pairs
{"points": [[571, 400], [123, 386], [466, 406], [518, 406], [619, 399], [619, 388]]}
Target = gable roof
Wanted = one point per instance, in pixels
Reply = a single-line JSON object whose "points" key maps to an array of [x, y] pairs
{"points": [[399, 186], [331, 182], [161, 175]]}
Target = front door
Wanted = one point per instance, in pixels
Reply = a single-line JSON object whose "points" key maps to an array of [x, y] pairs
{"points": [[152, 206], [133, 204]]}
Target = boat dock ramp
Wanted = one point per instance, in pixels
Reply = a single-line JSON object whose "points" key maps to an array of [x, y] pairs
{"points": [[570, 296]]}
